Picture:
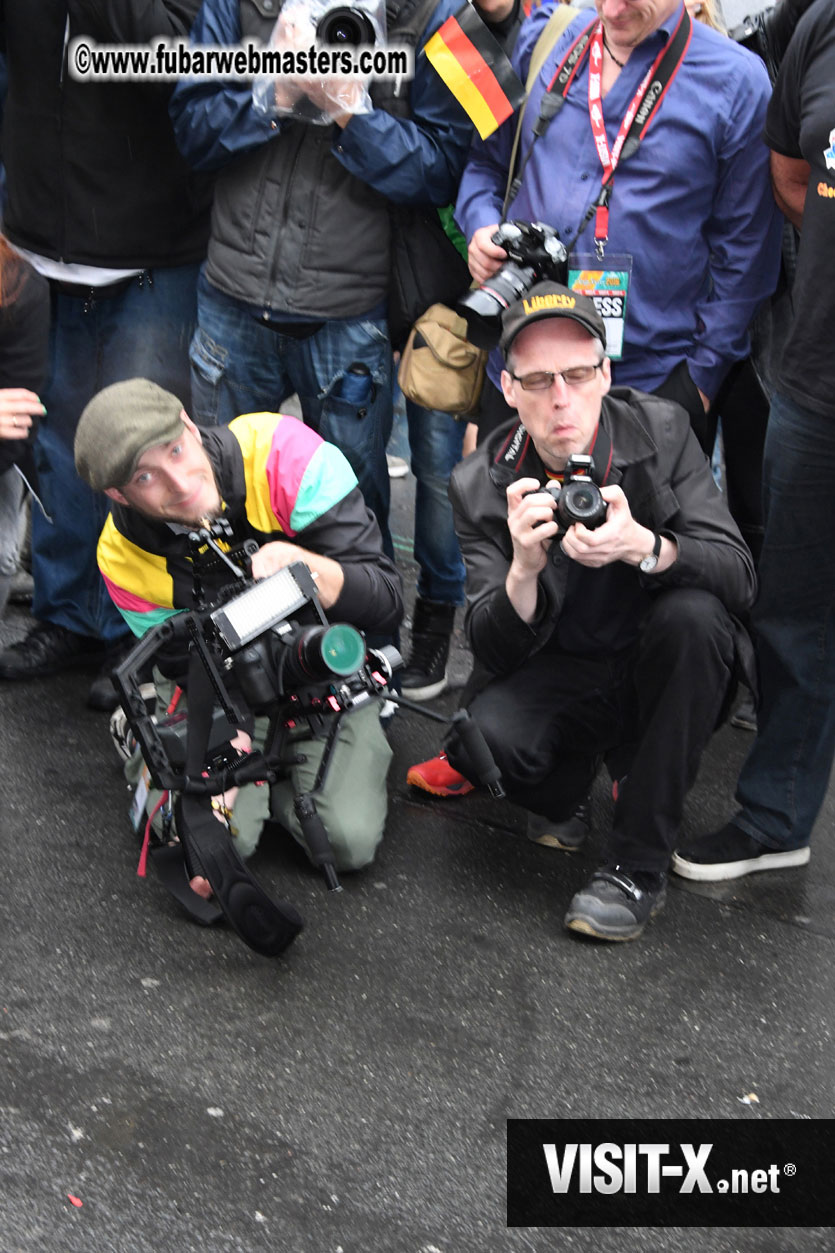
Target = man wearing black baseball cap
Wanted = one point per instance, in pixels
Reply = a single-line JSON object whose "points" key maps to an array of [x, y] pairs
{"points": [[612, 638]]}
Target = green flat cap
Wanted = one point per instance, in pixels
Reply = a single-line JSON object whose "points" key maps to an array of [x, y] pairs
{"points": [[119, 424]]}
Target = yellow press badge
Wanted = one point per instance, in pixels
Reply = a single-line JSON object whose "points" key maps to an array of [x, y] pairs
{"points": [[608, 286]]}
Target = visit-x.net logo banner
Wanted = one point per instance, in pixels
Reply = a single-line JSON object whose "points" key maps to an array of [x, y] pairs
{"points": [[670, 1172]]}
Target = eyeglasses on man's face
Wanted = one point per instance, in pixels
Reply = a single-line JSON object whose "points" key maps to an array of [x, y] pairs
{"points": [[542, 380]]}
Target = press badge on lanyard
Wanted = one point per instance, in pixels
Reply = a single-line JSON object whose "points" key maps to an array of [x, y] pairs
{"points": [[608, 287]]}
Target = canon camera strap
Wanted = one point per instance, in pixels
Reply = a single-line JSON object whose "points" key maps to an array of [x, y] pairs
{"points": [[642, 109], [509, 459]]}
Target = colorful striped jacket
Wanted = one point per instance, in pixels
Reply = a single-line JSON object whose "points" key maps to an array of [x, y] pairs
{"points": [[277, 479]]}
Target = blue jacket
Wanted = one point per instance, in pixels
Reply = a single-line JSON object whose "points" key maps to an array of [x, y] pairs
{"points": [[300, 222]]}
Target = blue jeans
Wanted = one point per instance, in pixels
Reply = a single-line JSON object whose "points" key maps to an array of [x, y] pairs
{"points": [[239, 365], [11, 501], [435, 441], [143, 331], [784, 780]]}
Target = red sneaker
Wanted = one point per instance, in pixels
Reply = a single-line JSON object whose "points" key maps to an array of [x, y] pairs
{"points": [[438, 777]]}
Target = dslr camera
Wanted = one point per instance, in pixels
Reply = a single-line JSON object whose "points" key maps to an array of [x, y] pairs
{"points": [[535, 253], [346, 26], [579, 498]]}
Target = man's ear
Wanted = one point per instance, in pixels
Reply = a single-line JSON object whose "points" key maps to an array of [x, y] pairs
{"points": [[606, 375], [189, 425], [115, 494], [507, 388]]}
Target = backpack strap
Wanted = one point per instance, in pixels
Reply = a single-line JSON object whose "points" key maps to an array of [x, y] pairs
{"points": [[558, 21]]}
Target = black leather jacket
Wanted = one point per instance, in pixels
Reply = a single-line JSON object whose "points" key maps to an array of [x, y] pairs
{"points": [[667, 480]]}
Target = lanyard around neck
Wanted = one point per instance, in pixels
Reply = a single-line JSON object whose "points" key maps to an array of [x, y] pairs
{"points": [[642, 108]]}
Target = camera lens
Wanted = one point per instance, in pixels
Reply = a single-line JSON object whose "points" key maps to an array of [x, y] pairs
{"points": [[581, 502], [482, 309], [345, 25], [342, 649], [319, 653]]}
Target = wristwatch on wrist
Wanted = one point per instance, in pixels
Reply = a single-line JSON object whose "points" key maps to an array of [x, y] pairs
{"points": [[647, 564]]}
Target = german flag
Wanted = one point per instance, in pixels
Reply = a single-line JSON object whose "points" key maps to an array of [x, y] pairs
{"points": [[476, 71]]}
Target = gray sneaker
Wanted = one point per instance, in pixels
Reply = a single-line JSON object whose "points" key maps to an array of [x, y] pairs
{"points": [[617, 904], [568, 835]]}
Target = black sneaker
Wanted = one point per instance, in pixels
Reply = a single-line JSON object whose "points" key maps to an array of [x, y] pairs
{"points": [[424, 675], [23, 585], [48, 649], [103, 694], [617, 904], [731, 854], [744, 717], [568, 835]]}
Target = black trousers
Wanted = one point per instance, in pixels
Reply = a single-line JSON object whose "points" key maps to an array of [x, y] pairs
{"points": [[651, 708], [742, 405]]}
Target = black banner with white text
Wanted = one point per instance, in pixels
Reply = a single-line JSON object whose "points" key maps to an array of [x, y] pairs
{"points": [[671, 1172]]}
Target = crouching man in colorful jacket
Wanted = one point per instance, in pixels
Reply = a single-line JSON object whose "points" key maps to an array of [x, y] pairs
{"points": [[275, 481]]}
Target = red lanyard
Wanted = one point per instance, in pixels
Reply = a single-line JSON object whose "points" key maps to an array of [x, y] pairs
{"points": [[642, 110], [609, 160]]}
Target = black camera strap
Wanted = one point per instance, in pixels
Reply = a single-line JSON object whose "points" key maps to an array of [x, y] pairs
{"points": [[510, 458], [267, 926], [601, 451]]}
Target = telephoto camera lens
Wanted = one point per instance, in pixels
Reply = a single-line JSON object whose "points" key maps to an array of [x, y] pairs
{"points": [[345, 25], [534, 252], [483, 307]]}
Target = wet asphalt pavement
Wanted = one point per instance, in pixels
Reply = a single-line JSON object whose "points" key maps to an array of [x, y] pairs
{"points": [[352, 1096]]}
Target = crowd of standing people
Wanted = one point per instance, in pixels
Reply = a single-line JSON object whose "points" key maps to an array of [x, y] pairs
{"points": [[231, 257]]}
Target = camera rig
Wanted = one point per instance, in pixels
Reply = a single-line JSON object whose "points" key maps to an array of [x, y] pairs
{"points": [[253, 648]]}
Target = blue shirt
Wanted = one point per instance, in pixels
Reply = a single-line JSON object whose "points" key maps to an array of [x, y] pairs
{"points": [[693, 206]]}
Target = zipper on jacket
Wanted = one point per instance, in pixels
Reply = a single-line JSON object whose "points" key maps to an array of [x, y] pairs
{"points": [[282, 223]]}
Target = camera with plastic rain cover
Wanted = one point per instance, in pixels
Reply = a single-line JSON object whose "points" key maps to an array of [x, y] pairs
{"points": [[535, 253], [347, 25], [579, 498]]}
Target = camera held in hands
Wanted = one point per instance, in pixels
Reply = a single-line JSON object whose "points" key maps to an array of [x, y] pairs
{"points": [[579, 498], [535, 253], [347, 25], [252, 647]]}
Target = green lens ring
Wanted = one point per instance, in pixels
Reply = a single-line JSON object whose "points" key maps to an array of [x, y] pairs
{"points": [[343, 649]]}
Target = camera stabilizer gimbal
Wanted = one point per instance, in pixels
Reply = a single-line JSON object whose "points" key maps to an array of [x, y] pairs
{"points": [[254, 648]]}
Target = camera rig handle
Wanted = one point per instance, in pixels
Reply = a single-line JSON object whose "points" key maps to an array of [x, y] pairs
{"points": [[481, 768], [209, 538], [266, 925]]}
